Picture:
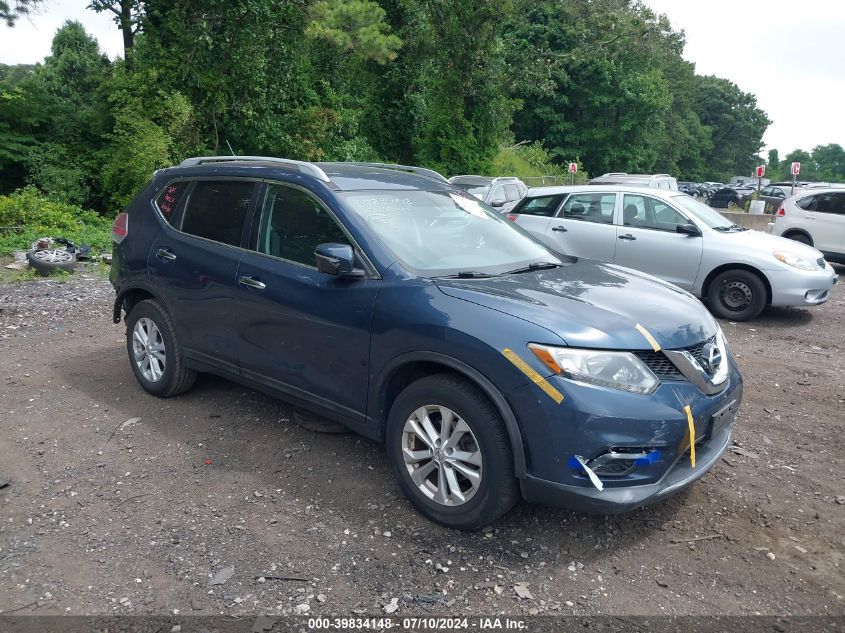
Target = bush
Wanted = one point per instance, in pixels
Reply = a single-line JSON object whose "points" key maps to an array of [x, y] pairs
{"points": [[27, 214]]}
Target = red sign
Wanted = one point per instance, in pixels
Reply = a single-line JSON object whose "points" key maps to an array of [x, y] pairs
{"points": [[761, 171], [796, 169], [573, 168]]}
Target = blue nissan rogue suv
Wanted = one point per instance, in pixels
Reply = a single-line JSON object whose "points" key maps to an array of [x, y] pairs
{"points": [[384, 298]]}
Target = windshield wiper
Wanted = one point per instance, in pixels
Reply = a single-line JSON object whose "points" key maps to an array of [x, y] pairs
{"points": [[532, 267], [732, 227], [467, 274]]}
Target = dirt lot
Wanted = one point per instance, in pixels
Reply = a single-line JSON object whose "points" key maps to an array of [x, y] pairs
{"points": [[120, 503]]}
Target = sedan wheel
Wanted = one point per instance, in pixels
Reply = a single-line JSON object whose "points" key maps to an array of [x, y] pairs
{"points": [[736, 295]]}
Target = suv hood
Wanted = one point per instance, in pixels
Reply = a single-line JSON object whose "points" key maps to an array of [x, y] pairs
{"points": [[593, 304]]}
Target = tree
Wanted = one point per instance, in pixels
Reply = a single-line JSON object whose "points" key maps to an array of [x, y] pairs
{"points": [[773, 162], [830, 162], [127, 16], [808, 167], [11, 11], [737, 126]]}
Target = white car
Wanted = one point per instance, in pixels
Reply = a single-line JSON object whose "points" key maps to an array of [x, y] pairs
{"points": [[815, 217], [676, 238]]}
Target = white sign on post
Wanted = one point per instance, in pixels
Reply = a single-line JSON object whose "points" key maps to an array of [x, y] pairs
{"points": [[796, 169], [573, 168]]}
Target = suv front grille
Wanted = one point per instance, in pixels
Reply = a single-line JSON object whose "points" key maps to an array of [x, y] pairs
{"points": [[663, 368]]}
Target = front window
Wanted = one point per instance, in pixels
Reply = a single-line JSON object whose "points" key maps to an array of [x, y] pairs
{"points": [[703, 213], [443, 233]]}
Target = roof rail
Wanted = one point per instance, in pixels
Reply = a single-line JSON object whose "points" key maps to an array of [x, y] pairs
{"points": [[306, 168], [661, 175], [420, 171]]}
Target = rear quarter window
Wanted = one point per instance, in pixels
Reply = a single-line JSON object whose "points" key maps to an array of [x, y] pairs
{"points": [[169, 198], [808, 203]]}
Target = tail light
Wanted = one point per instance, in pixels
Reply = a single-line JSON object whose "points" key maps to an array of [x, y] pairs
{"points": [[781, 211], [120, 228], [512, 217]]}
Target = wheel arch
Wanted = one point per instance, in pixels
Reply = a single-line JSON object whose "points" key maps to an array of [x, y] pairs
{"points": [[130, 296], [408, 368], [797, 231], [705, 287]]}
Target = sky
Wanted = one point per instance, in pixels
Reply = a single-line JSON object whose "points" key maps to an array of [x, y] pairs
{"points": [[790, 54]]}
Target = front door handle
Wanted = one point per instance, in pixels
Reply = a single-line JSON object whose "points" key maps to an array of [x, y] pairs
{"points": [[251, 282], [627, 237], [562, 229], [165, 254]]}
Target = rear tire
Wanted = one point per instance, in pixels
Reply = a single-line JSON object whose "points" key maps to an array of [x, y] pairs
{"points": [[468, 479], [155, 353], [736, 295], [799, 237]]}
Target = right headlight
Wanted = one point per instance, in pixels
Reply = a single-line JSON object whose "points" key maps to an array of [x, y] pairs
{"points": [[617, 370]]}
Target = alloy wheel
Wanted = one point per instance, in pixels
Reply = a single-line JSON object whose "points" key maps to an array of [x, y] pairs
{"points": [[148, 349], [442, 455]]}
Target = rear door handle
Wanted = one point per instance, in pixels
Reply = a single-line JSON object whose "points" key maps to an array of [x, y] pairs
{"points": [[562, 229], [627, 237], [251, 282], [165, 254]]}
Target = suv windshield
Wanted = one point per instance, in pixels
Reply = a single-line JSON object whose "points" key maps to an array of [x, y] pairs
{"points": [[443, 233], [702, 212]]}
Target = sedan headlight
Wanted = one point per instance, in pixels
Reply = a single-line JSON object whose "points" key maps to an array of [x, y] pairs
{"points": [[618, 370], [796, 261]]}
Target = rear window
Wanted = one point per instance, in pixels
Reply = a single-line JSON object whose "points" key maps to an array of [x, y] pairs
{"points": [[544, 206], [170, 197], [590, 207], [216, 210], [807, 203]]}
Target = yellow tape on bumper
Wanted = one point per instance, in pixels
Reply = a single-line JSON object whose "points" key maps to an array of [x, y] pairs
{"points": [[651, 340], [691, 435], [536, 378]]}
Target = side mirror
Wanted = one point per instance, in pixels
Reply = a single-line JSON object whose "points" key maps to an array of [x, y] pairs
{"points": [[497, 203], [335, 259], [688, 229]]}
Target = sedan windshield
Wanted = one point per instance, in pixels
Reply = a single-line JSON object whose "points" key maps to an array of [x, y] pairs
{"points": [[702, 212], [446, 233]]}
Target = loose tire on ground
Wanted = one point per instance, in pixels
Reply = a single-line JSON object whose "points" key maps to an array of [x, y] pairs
{"points": [[483, 449], [47, 261], [736, 295], [155, 353]]}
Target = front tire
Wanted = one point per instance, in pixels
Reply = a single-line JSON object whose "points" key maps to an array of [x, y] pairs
{"points": [[736, 295], [450, 452], [154, 351]]}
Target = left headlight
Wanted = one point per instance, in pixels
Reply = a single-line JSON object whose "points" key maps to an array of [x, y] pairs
{"points": [[618, 370], [796, 261]]}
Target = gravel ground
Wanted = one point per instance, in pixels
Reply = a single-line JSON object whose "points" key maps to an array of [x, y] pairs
{"points": [[215, 503]]}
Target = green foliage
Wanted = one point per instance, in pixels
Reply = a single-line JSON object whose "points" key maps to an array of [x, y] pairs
{"points": [[354, 26], [525, 161], [10, 11], [40, 216]]}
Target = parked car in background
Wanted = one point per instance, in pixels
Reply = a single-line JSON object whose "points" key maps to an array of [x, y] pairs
{"points": [[771, 195], [500, 193], [815, 217], [677, 238], [722, 198], [390, 301], [694, 189], [658, 181]]}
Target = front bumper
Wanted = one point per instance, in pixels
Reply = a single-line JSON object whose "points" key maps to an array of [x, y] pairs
{"points": [[592, 420], [795, 288], [617, 500]]}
